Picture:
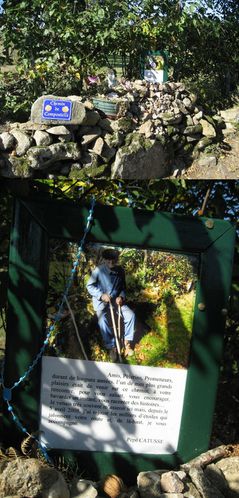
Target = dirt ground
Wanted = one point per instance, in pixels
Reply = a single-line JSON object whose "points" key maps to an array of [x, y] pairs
{"points": [[227, 167]]}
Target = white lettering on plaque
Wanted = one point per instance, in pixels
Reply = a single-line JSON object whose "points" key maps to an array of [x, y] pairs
{"points": [[110, 407]]}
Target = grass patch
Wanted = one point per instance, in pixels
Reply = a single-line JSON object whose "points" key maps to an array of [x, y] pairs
{"points": [[167, 344]]}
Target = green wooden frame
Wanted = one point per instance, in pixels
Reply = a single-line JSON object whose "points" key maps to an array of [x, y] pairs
{"points": [[35, 221]]}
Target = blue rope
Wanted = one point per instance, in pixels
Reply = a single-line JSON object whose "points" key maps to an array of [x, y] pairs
{"points": [[7, 391]]}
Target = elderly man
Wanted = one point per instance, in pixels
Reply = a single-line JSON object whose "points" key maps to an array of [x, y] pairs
{"points": [[107, 284]]}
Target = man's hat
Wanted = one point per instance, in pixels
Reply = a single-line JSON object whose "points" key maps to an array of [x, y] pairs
{"points": [[110, 254]]}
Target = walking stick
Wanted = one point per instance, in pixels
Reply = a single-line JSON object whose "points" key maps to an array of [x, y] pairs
{"points": [[115, 332], [119, 331]]}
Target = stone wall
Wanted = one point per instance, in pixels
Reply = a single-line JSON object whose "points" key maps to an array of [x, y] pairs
{"points": [[158, 129], [213, 474]]}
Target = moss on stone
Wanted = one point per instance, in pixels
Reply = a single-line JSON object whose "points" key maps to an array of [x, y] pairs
{"points": [[89, 172], [21, 167]]}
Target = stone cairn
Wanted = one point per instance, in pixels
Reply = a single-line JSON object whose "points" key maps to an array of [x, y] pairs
{"points": [[158, 128], [213, 474]]}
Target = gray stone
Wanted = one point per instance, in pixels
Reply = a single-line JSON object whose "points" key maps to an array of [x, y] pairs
{"points": [[215, 475], [107, 125], [98, 147], [42, 157], [30, 478], [188, 104], [169, 118], [42, 138], [115, 140], [149, 484], [91, 118], [203, 143], [147, 128], [198, 115], [88, 139], [28, 126], [193, 130], [204, 486], [231, 115], [208, 129], [171, 483], [15, 167], [78, 111], [7, 141], [59, 131], [107, 153], [82, 488], [191, 491], [142, 159], [207, 161], [170, 495], [230, 468], [23, 142]]}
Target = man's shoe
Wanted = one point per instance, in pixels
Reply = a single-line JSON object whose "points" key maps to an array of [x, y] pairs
{"points": [[128, 351], [113, 355]]}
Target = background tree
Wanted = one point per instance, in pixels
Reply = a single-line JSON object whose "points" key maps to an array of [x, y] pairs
{"points": [[60, 42]]}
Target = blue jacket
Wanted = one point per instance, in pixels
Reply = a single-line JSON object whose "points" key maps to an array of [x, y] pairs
{"points": [[106, 281]]}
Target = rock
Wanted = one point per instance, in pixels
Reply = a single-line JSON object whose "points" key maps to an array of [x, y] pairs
{"points": [[81, 488], [107, 153], [23, 142], [88, 139], [193, 130], [208, 129], [78, 113], [98, 147], [42, 138], [30, 478], [204, 486], [7, 141], [106, 125], [170, 118], [207, 161], [124, 124], [60, 131], [149, 484], [203, 143], [91, 118], [42, 157], [188, 103], [171, 483], [230, 469], [15, 167], [230, 115], [142, 159], [28, 126], [191, 491], [115, 140], [215, 475], [147, 128]]}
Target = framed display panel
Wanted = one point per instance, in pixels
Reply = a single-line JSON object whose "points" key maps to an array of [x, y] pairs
{"points": [[38, 220]]}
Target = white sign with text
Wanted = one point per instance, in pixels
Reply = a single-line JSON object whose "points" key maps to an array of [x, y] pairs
{"points": [[110, 407]]}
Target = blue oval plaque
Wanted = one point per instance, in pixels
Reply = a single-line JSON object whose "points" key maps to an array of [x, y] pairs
{"points": [[57, 109]]}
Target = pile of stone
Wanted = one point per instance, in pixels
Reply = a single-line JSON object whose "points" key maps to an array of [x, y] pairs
{"points": [[213, 474], [158, 128]]}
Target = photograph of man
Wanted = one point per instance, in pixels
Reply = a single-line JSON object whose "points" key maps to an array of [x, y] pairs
{"points": [[107, 287]]}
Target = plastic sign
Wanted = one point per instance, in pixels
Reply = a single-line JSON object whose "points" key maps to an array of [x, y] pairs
{"points": [[57, 109]]}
